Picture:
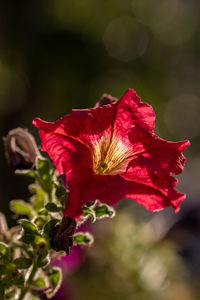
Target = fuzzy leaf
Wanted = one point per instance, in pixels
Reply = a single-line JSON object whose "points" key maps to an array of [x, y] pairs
{"points": [[29, 173], [103, 211], [48, 226], [38, 199], [83, 238], [4, 250], [39, 283], [23, 262], [43, 212], [53, 207], [55, 278], [43, 166], [88, 211], [28, 227], [21, 207], [39, 221], [27, 238], [60, 191]]}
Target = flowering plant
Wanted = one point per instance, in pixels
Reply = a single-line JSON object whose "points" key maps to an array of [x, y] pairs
{"points": [[100, 156]]}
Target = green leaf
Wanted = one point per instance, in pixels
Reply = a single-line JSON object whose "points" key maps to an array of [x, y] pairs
{"points": [[89, 204], [46, 174], [83, 238], [4, 250], [53, 207], [22, 262], [49, 226], [28, 227], [11, 270], [39, 221], [103, 211], [29, 173], [88, 211], [39, 283], [60, 190], [55, 279], [21, 207], [38, 199], [27, 238], [43, 166], [43, 212], [30, 231]]}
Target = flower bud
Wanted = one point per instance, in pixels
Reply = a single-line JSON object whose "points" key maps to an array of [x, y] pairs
{"points": [[105, 99], [21, 149], [61, 236]]}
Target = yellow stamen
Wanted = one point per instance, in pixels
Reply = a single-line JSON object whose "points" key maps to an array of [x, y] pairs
{"points": [[110, 157]]}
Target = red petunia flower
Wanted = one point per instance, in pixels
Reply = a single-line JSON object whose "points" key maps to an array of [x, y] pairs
{"points": [[110, 152]]}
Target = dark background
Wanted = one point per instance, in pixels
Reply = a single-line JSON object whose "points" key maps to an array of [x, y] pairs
{"points": [[57, 55]]}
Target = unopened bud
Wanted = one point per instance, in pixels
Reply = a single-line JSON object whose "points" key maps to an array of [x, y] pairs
{"points": [[61, 236], [21, 149], [105, 99]]}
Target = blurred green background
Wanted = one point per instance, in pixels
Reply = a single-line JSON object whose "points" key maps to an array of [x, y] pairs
{"points": [[57, 55]]}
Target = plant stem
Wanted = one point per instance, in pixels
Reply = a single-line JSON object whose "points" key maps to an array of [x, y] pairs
{"points": [[31, 276]]}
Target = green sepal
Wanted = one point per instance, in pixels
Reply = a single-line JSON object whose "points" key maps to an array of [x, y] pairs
{"points": [[90, 204], [22, 262], [88, 211], [83, 238], [52, 207], [103, 211], [21, 207], [54, 276]]}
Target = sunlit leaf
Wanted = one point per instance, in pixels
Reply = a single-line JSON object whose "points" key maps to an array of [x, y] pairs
{"points": [[21, 207]]}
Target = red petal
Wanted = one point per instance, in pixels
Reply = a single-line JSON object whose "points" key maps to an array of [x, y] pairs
{"points": [[155, 154], [84, 125], [156, 193], [66, 153], [108, 189], [132, 112]]}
